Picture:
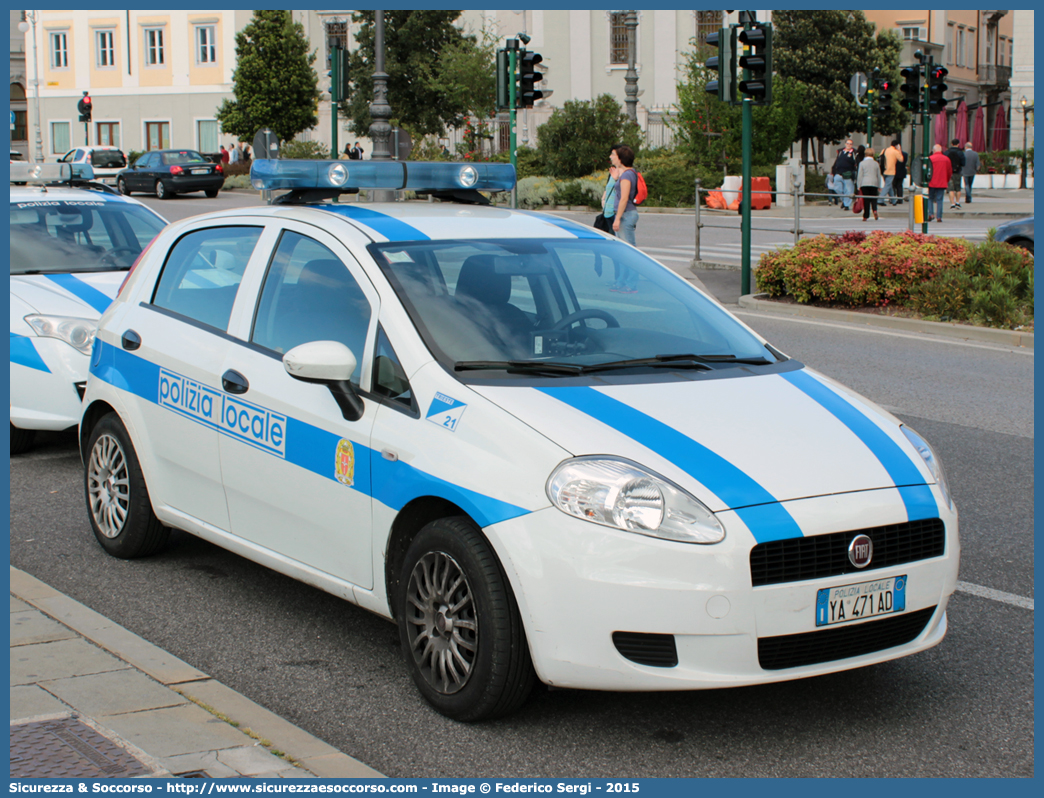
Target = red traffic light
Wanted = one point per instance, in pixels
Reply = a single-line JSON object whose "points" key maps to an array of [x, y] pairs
{"points": [[886, 85], [940, 72]]}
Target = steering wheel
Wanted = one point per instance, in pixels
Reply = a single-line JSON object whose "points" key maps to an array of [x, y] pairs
{"points": [[580, 315], [113, 254]]}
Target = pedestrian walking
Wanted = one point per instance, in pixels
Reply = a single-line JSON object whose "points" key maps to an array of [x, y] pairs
{"points": [[971, 166], [235, 154], [942, 171], [869, 183], [956, 156], [893, 156], [845, 166], [246, 153], [834, 188], [900, 175], [625, 212], [224, 154]]}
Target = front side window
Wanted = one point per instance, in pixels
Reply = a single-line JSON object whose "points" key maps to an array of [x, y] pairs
{"points": [[106, 48], [206, 46], [78, 235], [60, 50], [154, 55], [550, 302], [203, 271], [309, 295]]}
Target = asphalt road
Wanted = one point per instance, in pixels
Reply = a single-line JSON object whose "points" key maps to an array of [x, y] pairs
{"points": [[964, 708]]}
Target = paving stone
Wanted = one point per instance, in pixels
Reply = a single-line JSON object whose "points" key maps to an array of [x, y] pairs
{"points": [[175, 730], [30, 701], [41, 662], [32, 626], [113, 693], [17, 605], [251, 760]]}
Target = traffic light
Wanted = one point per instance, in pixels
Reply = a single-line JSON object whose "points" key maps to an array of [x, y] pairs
{"points": [[337, 71], [911, 89], [724, 64], [504, 80], [883, 96], [84, 107], [936, 89], [528, 76], [757, 60]]}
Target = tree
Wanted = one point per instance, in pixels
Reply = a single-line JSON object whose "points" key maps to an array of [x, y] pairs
{"points": [[438, 75], [710, 132], [274, 83], [823, 49], [577, 138]]}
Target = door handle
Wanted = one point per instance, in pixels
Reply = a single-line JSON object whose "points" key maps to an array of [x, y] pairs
{"points": [[234, 382], [130, 340]]}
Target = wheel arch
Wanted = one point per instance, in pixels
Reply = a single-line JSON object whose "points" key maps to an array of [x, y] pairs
{"points": [[91, 415]]}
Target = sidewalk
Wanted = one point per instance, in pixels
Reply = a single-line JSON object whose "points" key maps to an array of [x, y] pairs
{"points": [[89, 699]]}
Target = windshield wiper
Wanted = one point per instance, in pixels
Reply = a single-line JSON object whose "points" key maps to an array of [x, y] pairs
{"points": [[660, 361], [530, 366], [754, 361]]}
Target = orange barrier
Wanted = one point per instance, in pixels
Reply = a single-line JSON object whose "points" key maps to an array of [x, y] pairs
{"points": [[760, 195], [918, 201], [715, 199]]}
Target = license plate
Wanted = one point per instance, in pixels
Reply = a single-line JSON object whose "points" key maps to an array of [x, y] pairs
{"points": [[862, 600], [200, 171]]}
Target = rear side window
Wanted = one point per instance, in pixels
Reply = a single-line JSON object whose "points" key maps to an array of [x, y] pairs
{"points": [[203, 271]]}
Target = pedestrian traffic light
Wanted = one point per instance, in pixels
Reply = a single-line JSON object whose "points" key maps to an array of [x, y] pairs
{"points": [[936, 89], [756, 59], [528, 76], [84, 107], [883, 96], [911, 88], [723, 64], [504, 80]]}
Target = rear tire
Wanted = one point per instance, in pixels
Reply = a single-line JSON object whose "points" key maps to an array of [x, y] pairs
{"points": [[211, 192], [459, 626], [118, 501], [162, 192], [21, 439]]}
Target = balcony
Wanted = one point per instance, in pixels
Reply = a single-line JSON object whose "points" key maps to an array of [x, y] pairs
{"points": [[995, 75]]}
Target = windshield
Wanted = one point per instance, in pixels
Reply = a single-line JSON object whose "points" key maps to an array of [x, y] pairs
{"points": [[183, 157], [78, 235], [524, 304]]}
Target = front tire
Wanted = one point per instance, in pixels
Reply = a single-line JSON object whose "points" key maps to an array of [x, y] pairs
{"points": [[121, 186], [117, 498], [459, 626], [162, 192], [21, 439]]}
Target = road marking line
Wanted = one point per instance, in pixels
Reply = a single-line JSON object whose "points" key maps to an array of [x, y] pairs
{"points": [[857, 327], [996, 595]]}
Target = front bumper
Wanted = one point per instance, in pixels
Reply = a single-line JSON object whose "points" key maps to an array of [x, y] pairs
{"points": [[47, 376], [578, 583]]}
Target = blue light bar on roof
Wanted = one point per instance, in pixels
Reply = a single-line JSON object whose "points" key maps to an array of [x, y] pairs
{"points": [[50, 172], [419, 176]]}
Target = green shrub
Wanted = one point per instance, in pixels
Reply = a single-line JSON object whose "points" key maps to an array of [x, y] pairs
{"points": [[237, 168], [576, 140], [575, 192], [305, 150], [237, 181], [429, 149], [815, 183], [533, 192], [528, 162]]}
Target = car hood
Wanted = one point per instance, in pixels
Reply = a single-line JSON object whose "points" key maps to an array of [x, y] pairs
{"points": [[731, 441], [85, 294]]}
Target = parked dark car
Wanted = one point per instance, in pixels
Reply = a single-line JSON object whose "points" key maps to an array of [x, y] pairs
{"points": [[169, 172], [1018, 232]]}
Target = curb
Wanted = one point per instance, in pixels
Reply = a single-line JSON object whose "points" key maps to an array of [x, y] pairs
{"points": [[305, 750], [964, 332]]}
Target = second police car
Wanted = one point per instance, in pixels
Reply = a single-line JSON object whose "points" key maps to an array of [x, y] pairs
{"points": [[440, 412], [71, 244]]}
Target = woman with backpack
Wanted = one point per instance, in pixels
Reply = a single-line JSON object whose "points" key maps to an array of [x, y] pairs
{"points": [[625, 216]]}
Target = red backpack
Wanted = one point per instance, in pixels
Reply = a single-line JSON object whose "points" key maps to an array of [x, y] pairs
{"points": [[643, 191]]}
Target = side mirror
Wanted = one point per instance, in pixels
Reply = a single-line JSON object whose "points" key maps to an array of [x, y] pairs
{"points": [[329, 363]]}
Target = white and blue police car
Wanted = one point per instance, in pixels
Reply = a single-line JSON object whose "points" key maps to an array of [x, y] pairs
{"points": [[441, 412], [72, 242]]}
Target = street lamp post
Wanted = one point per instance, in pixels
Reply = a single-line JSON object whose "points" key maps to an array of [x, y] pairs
{"points": [[23, 26], [631, 78], [380, 109], [1026, 109]]}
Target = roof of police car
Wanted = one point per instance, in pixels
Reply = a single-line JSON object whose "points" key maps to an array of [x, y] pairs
{"points": [[32, 193], [428, 221]]}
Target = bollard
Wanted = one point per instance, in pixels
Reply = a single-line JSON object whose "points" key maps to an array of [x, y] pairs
{"points": [[696, 258], [797, 214]]}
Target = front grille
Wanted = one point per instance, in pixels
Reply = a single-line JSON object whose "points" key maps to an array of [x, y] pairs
{"points": [[828, 645], [647, 649], [821, 556]]}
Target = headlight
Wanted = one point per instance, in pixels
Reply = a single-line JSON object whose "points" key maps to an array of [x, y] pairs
{"points": [[78, 333], [930, 459], [624, 495]]}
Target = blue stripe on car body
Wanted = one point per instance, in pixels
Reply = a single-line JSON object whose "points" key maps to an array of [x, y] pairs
{"points": [[579, 230], [766, 518], [916, 494], [312, 448], [81, 290], [24, 353], [388, 226]]}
